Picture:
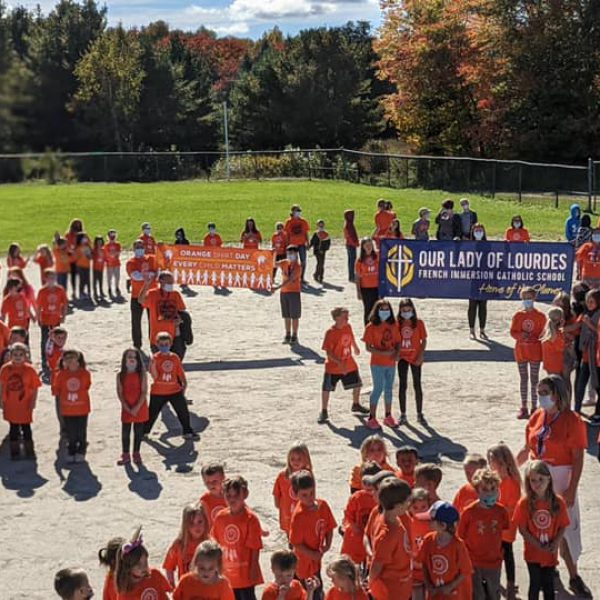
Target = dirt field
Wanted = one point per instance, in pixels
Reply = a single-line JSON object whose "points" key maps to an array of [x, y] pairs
{"points": [[252, 397]]}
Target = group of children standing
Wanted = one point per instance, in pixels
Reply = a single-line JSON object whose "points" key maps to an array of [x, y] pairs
{"points": [[399, 540]]}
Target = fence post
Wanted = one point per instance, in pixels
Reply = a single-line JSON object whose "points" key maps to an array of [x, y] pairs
{"points": [[494, 180], [358, 171], [590, 183], [556, 199], [345, 163], [309, 168], [389, 172], [407, 172], [256, 169], [520, 183]]}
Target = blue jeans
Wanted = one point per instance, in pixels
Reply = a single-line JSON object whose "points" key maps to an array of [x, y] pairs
{"points": [[383, 381], [351, 252]]}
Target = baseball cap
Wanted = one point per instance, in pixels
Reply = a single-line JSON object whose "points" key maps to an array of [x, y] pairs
{"points": [[376, 479], [443, 512]]}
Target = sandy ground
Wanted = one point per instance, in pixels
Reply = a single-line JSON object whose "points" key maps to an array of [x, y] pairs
{"points": [[252, 396]]}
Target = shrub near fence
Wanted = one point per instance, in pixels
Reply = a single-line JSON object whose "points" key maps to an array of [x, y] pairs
{"points": [[454, 174]]}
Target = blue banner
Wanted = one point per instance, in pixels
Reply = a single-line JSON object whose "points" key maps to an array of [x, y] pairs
{"points": [[483, 270]]}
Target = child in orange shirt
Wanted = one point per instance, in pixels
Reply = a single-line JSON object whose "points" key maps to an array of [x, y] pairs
{"points": [[19, 383], [205, 579], [390, 576], [112, 257], [51, 304], [15, 335], [44, 259], [553, 343], [446, 563], [134, 578], [382, 341], [481, 526], [98, 260], [356, 515], [62, 260], [238, 531], [250, 237], [132, 391], [14, 258], [286, 586], [83, 261], [278, 244], [57, 339], [107, 557], [147, 239], [311, 529], [542, 518], [73, 584], [352, 242], [168, 385], [372, 449], [420, 526], [298, 459], [502, 461], [72, 384], [340, 365], [516, 232], [212, 238], [413, 341], [213, 500], [526, 328], [320, 242], [346, 581], [467, 494], [193, 530], [290, 296], [16, 310], [407, 458], [429, 477], [366, 276]]}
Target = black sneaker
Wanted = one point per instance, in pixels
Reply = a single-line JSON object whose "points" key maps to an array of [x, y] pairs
{"points": [[359, 408], [578, 587], [402, 420], [191, 435], [323, 417], [595, 422], [287, 339], [421, 419], [294, 339]]}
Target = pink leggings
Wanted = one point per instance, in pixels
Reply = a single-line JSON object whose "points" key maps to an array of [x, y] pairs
{"points": [[534, 376]]}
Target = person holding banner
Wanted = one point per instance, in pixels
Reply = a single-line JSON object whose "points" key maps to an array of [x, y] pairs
{"points": [[366, 273], [477, 306], [468, 219], [449, 224], [383, 219], [296, 229], [588, 260], [516, 232], [251, 237]]}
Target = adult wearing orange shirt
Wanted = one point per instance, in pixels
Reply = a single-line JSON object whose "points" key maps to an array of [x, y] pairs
{"points": [[383, 219], [558, 436], [51, 305], [141, 269], [296, 229], [588, 260], [75, 228]]}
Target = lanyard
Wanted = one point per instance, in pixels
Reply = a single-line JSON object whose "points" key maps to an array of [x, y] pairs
{"points": [[544, 434]]}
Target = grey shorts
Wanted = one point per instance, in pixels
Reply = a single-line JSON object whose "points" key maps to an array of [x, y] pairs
{"points": [[349, 381], [291, 307]]}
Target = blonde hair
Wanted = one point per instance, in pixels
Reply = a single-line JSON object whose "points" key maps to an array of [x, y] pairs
{"points": [[474, 460], [485, 476], [540, 468], [528, 290], [501, 454], [552, 328], [189, 513], [127, 560], [344, 567], [419, 493], [302, 449], [369, 443], [208, 550]]}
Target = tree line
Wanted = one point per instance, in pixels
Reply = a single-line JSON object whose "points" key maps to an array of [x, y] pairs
{"points": [[490, 78]]}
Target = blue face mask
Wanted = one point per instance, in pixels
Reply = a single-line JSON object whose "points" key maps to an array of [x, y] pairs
{"points": [[528, 303], [490, 501], [139, 252], [164, 348], [384, 315]]}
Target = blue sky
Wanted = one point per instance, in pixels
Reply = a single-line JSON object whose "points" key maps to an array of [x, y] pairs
{"points": [[235, 17]]}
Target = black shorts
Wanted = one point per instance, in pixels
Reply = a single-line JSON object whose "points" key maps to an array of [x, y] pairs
{"points": [[349, 381], [291, 307]]}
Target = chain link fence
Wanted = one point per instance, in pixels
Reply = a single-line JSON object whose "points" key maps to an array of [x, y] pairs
{"points": [[516, 179]]}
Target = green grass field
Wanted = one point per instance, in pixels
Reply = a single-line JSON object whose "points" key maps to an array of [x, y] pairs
{"points": [[32, 213]]}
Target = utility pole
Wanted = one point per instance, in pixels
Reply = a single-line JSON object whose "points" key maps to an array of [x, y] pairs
{"points": [[226, 128]]}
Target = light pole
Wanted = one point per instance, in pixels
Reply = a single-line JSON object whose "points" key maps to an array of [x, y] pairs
{"points": [[226, 128]]}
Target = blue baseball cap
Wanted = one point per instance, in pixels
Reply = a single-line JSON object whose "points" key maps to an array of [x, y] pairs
{"points": [[444, 512]]}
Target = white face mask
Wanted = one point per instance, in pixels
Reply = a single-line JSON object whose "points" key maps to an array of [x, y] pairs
{"points": [[168, 287], [384, 315], [596, 239], [131, 365], [292, 257], [139, 252], [297, 213], [147, 230], [211, 230], [517, 224], [478, 235], [546, 402]]}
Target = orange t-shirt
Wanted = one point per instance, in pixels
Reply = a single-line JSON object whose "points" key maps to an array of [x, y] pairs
{"points": [[17, 261], [110, 591], [383, 220], [282, 490], [169, 374], [51, 304], [359, 507], [296, 229], [588, 258], [510, 494], [466, 495], [445, 563], [411, 339], [310, 527], [516, 235], [132, 390], [213, 505], [98, 259], [155, 586], [179, 560], [164, 308], [213, 239], [83, 256], [382, 337], [392, 548], [149, 243], [410, 479], [72, 389], [19, 384], [373, 525], [62, 260], [191, 588], [4, 336], [44, 263], [356, 478], [418, 530], [543, 525], [141, 267], [53, 355], [292, 276], [296, 592], [367, 271], [526, 328], [239, 535], [251, 240], [481, 529], [16, 310], [339, 341], [567, 434], [335, 594], [112, 254], [279, 242], [553, 354]]}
